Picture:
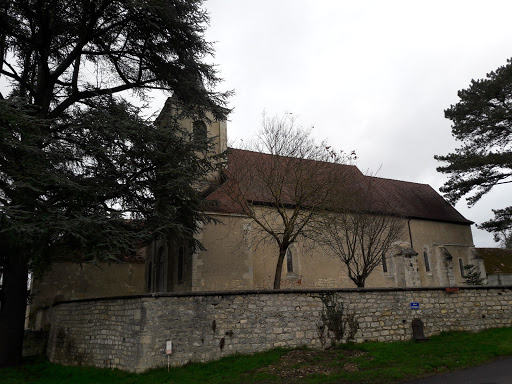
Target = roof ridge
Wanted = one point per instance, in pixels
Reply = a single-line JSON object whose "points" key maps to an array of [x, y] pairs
{"points": [[291, 157], [402, 181]]}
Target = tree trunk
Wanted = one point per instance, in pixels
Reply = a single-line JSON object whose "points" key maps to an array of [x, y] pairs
{"points": [[357, 280], [13, 301], [279, 268]]}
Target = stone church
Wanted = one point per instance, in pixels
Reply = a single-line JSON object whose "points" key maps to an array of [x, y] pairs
{"points": [[436, 243]]}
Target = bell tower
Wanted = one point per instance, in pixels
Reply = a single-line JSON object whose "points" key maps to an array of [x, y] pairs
{"points": [[169, 261], [200, 129]]}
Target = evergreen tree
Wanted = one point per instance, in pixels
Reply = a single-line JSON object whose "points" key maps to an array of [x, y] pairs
{"points": [[472, 276], [80, 171], [507, 241], [482, 121], [501, 226]]}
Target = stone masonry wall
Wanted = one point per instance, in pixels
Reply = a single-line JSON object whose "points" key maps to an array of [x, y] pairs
{"points": [[130, 333], [34, 343]]}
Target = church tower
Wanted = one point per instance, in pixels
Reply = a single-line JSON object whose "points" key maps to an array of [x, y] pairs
{"points": [[169, 262], [200, 129]]}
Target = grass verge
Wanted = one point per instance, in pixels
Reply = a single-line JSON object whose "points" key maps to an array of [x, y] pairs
{"points": [[354, 363]]}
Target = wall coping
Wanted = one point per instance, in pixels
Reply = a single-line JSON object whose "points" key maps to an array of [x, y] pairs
{"points": [[318, 291]]}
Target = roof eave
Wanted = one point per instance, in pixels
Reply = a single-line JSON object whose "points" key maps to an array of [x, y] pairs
{"points": [[463, 222]]}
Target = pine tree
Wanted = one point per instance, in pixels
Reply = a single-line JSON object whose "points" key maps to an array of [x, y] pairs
{"points": [[80, 171], [482, 122], [472, 275]]}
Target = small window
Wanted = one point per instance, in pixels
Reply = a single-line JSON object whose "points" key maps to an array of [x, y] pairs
{"points": [[425, 258], [289, 260], [160, 279], [181, 261], [461, 266], [384, 263], [199, 132], [150, 273]]}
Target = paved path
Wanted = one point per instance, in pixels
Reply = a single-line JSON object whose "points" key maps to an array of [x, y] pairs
{"points": [[497, 372]]}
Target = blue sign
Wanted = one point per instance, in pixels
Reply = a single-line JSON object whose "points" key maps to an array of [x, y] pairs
{"points": [[415, 305]]}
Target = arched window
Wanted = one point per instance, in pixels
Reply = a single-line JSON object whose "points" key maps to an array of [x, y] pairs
{"points": [[289, 260], [425, 258], [181, 262], [150, 274], [384, 264], [160, 270], [461, 266], [199, 132]]}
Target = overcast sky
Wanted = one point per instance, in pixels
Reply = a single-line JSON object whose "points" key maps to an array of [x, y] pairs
{"points": [[371, 76], [374, 76]]}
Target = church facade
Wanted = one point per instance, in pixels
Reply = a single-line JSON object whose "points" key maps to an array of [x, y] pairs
{"points": [[435, 244]]}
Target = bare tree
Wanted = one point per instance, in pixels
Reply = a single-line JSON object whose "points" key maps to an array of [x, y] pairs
{"points": [[285, 183], [360, 231]]}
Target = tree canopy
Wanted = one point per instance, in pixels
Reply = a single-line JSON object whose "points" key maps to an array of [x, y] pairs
{"points": [[59, 53], [81, 171], [482, 122]]}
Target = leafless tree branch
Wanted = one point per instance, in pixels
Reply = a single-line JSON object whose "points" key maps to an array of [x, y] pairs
{"points": [[285, 182]]}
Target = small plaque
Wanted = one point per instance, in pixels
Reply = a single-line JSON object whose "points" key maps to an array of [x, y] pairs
{"points": [[168, 347], [415, 305]]}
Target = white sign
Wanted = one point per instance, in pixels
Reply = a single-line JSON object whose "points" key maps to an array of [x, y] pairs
{"points": [[168, 347]]}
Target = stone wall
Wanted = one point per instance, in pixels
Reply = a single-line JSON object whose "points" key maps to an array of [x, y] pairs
{"points": [[34, 343], [130, 333], [499, 279]]}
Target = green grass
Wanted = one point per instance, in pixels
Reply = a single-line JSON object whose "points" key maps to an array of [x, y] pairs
{"points": [[376, 363], [392, 362], [230, 369]]}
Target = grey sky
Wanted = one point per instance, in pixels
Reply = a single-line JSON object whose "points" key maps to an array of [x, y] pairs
{"points": [[374, 76]]}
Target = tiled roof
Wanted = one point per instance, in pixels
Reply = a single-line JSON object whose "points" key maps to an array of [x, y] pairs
{"points": [[497, 260], [255, 192], [412, 200], [415, 200], [220, 200]]}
